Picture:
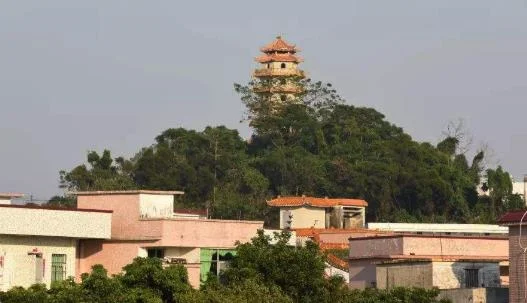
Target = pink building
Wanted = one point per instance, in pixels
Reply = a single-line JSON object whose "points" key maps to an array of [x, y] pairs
{"points": [[144, 224], [446, 262]]}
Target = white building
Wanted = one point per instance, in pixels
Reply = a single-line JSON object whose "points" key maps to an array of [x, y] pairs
{"points": [[39, 245]]}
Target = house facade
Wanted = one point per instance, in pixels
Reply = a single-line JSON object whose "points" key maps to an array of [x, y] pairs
{"points": [[144, 224], [445, 262], [40, 245], [311, 212]]}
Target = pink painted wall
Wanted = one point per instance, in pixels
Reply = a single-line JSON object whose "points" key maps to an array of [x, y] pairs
{"points": [[376, 246], [429, 246], [130, 233], [486, 247], [207, 233], [115, 255]]}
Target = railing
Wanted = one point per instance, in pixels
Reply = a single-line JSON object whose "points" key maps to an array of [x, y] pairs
{"points": [[267, 72]]}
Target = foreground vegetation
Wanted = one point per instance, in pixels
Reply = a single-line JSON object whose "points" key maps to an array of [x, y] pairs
{"points": [[260, 272]]}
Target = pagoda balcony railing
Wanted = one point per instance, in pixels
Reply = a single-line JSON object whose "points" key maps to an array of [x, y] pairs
{"points": [[269, 72], [293, 89]]}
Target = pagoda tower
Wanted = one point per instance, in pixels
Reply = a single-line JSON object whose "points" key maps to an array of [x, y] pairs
{"points": [[278, 74]]}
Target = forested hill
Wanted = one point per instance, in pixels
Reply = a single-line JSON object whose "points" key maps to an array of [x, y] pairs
{"points": [[314, 148]]}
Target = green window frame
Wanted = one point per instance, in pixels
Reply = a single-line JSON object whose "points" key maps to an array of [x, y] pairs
{"points": [[213, 260], [58, 267]]}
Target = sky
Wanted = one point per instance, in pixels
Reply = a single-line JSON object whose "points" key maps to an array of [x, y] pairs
{"points": [[77, 76]]}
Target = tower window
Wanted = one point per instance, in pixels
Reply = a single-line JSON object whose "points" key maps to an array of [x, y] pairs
{"points": [[282, 65], [268, 65], [283, 97]]}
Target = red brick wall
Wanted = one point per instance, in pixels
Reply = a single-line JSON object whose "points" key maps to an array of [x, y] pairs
{"points": [[517, 274]]}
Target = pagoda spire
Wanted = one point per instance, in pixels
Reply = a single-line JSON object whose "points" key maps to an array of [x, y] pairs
{"points": [[278, 72]]}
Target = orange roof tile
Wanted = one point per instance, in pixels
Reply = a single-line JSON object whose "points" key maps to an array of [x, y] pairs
{"points": [[288, 57], [279, 45], [316, 202]]}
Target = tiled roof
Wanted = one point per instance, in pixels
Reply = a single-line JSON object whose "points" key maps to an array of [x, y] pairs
{"points": [[279, 45], [316, 202], [278, 58], [513, 217]]}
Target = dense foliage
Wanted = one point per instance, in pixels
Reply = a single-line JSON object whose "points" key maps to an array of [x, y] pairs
{"points": [[260, 272], [318, 147]]}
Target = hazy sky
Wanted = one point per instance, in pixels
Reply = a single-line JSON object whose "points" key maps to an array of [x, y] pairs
{"points": [[88, 75]]}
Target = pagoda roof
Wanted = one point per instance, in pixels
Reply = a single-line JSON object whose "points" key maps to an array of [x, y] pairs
{"points": [[287, 57], [279, 45]]}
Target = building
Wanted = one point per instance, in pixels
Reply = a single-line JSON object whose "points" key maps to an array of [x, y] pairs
{"points": [[446, 262], [310, 212], [145, 224], [440, 229], [40, 245], [278, 73], [517, 254], [520, 188], [5, 198]]}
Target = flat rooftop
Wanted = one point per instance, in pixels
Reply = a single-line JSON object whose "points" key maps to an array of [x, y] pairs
{"points": [[128, 192]]}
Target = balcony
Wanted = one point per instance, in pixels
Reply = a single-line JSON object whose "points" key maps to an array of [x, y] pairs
{"points": [[274, 72]]}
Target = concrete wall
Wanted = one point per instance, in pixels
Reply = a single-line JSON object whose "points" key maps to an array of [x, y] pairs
{"points": [[429, 246], [156, 206], [17, 268], [408, 274], [206, 233], [304, 217], [381, 246], [456, 246], [439, 228], [449, 275], [362, 274], [18, 220], [476, 295]]}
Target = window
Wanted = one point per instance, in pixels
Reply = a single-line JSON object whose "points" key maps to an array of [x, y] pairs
{"points": [[214, 261], [283, 97], [156, 253], [471, 277], [282, 65], [58, 267]]}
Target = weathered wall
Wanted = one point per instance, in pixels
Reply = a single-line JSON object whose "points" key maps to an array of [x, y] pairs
{"points": [[476, 295], [304, 217], [206, 233], [381, 246], [456, 246], [362, 274], [20, 269], [156, 206], [408, 274], [449, 275], [18, 220]]}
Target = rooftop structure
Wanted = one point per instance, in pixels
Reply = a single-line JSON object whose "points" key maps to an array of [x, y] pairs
{"points": [[443, 257], [311, 212], [278, 72]]}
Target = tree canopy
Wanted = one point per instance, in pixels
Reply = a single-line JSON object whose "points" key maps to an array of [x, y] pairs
{"points": [[320, 147]]}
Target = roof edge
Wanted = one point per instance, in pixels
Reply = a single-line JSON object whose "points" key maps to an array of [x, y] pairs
{"points": [[128, 192]]}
